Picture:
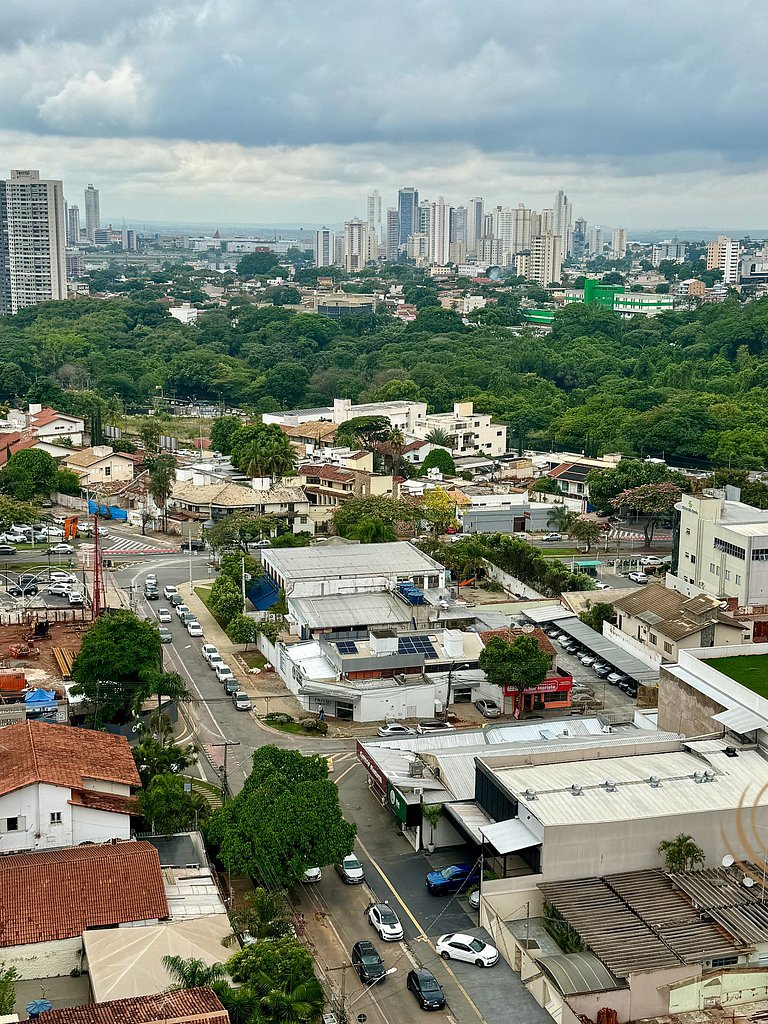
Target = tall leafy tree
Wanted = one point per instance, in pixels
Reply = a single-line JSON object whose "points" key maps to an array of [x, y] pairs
{"points": [[285, 819], [167, 807], [28, 473], [521, 664], [8, 977], [586, 532], [652, 501]]}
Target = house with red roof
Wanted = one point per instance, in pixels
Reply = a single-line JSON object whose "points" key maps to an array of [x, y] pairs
{"points": [[188, 1006], [49, 425], [61, 786]]}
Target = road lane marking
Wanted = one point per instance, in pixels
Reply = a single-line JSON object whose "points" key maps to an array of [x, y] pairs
{"points": [[345, 773]]}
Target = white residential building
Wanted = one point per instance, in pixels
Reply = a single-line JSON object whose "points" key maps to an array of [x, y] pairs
{"points": [[324, 255], [33, 240], [671, 249], [439, 232], [544, 265], [356, 253], [724, 254], [474, 224], [186, 313], [92, 215], [62, 787], [618, 244]]}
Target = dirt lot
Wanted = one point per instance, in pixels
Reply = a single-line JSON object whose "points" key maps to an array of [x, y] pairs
{"points": [[41, 668]]}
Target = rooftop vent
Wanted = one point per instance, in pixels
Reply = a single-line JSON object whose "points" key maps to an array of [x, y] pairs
{"points": [[610, 786], [731, 752], [709, 775], [416, 769], [576, 789], [698, 777], [529, 794], [607, 729], [654, 781]]}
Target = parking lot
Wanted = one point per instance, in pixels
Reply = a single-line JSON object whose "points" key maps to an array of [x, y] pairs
{"points": [[43, 587]]}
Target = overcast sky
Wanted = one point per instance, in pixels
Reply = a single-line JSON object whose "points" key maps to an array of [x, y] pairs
{"points": [[272, 111]]}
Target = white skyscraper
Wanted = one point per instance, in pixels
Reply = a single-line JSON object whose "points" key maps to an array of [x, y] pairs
{"points": [[619, 243], [522, 231], [32, 241], [73, 225], [595, 241], [439, 232], [474, 225], [324, 256], [92, 215], [724, 254], [356, 246], [562, 221], [373, 221], [546, 222], [393, 235], [544, 265]]}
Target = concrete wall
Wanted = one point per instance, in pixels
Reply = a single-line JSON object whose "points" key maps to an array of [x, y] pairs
{"points": [[512, 584], [684, 709], [91, 825], [590, 1003], [508, 899], [45, 959], [724, 988], [35, 804]]}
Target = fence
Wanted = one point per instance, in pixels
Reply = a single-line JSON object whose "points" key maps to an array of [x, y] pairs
{"points": [[28, 616]]}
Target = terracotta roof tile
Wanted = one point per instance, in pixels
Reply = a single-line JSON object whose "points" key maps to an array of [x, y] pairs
{"points": [[60, 893], [105, 801], [345, 476], [62, 755], [48, 415], [198, 1004]]}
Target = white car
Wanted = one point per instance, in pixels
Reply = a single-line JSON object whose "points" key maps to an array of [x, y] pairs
{"points": [[151, 580], [351, 870], [552, 537], [61, 549], [207, 650], [385, 921], [194, 628], [637, 577], [313, 875], [169, 591], [164, 615], [394, 729], [60, 589], [214, 660], [74, 597], [224, 672], [458, 946], [182, 609], [242, 701], [653, 560], [59, 576], [52, 532], [599, 585]]}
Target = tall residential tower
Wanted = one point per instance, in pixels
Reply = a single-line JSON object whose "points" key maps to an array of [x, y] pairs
{"points": [[32, 241], [92, 216]]}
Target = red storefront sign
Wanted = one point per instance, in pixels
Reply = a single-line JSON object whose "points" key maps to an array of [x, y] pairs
{"points": [[371, 767], [549, 685]]}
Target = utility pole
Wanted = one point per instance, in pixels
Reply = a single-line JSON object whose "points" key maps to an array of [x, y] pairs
{"points": [[189, 545], [224, 780]]}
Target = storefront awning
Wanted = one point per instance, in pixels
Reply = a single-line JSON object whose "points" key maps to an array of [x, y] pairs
{"points": [[741, 720], [331, 692], [509, 836]]}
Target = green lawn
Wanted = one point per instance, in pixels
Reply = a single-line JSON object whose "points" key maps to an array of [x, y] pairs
{"points": [[254, 659], [751, 670]]}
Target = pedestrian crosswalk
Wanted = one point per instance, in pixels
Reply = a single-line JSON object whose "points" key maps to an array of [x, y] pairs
{"points": [[111, 544]]}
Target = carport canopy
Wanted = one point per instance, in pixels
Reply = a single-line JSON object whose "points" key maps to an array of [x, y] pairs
{"points": [[604, 649], [509, 836]]}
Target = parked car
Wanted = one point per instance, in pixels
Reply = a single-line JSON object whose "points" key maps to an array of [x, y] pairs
{"points": [[151, 593], [637, 577], [260, 544], [23, 590], [553, 632], [487, 707], [394, 729], [231, 686], [351, 870], [166, 636], [601, 670], [367, 961], [150, 580], [458, 946], [182, 609], [61, 549], [425, 988], [208, 650], [168, 591], [242, 702], [312, 875], [385, 921], [214, 660], [194, 545], [59, 589], [194, 628], [223, 671], [652, 560], [60, 576], [599, 585], [587, 659], [176, 600], [572, 647], [7, 549], [164, 615], [563, 639], [428, 725], [452, 879], [75, 597], [552, 537], [474, 899], [614, 678], [187, 617]]}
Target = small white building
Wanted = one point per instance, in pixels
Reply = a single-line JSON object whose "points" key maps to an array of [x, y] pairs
{"points": [[186, 313], [49, 425], [61, 787]]}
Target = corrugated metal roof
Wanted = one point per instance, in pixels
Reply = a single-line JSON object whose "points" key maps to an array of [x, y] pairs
{"points": [[509, 836], [576, 973], [354, 610], [471, 815], [741, 720], [349, 560], [609, 652]]}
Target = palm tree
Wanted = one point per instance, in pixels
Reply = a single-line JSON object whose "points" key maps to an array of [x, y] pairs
{"points": [[192, 973], [681, 853], [271, 458], [561, 518], [439, 436], [162, 476], [240, 1003], [263, 915], [172, 686], [395, 441], [289, 1005]]}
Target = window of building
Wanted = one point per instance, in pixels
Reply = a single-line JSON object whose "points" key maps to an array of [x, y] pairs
{"points": [[652, 638], [687, 555], [712, 567], [345, 710], [55, 817], [725, 961], [11, 824], [729, 549], [738, 579], [107, 471], [693, 559], [727, 574], [667, 648], [760, 555], [687, 531]]}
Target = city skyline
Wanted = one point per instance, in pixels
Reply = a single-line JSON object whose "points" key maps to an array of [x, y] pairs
{"points": [[512, 103]]}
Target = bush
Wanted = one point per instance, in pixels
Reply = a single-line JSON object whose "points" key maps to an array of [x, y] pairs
{"points": [[279, 716], [314, 725]]}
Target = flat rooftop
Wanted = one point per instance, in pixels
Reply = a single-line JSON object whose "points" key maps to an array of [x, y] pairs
{"points": [[397, 558], [751, 670], [336, 610], [605, 789]]}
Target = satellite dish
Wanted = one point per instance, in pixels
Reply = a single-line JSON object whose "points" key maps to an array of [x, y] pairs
{"points": [[727, 861], [747, 882]]}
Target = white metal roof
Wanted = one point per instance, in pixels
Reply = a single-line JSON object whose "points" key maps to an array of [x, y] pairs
{"points": [[743, 779], [509, 836], [399, 557], [606, 650], [377, 609], [741, 720]]}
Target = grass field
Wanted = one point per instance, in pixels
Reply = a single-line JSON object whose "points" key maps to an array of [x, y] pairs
{"points": [[751, 670]]}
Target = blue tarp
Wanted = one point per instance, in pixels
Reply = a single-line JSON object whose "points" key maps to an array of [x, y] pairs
{"points": [[103, 510], [263, 592]]}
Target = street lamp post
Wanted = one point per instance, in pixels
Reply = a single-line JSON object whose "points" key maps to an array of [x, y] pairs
{"points": [[453, 668]]}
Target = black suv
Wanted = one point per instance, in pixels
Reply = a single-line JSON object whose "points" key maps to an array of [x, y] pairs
{"points": [[366, 961]]}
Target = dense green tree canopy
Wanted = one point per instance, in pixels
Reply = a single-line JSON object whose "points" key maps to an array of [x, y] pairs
{"points": [[28, 473]]}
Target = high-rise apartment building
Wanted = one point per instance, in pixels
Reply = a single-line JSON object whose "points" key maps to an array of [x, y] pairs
{"points": [[522, 228], [474, 224], [562, 220], [670, 249], [373, 220], [457, 249], [619, 244], [422, 217], [545, 262], [595, 241], [356, 250], [579, 237], [92, 215], [324, 255], [724, 254], [439, 232], [392, 250], [546, 222], [32, 241], [73, 225], [407, 205]]}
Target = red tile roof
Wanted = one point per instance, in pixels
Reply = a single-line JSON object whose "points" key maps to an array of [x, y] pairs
{"points": [[192, 1004], [62, 755], [48, 415], [105, 801], [345, 476], [60, 893], [14, 442], [512, 633]]}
